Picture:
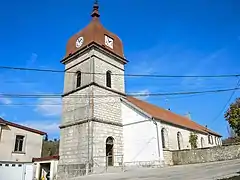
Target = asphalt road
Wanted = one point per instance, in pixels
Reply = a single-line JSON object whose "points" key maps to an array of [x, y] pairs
{"points": [[205, 171]]}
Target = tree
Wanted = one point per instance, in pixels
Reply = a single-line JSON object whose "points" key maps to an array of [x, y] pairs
{"points": [[232, 115], [193, 140], [50, 148]]}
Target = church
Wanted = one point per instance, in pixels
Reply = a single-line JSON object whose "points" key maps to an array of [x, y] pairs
{"points": [[102, 126]]}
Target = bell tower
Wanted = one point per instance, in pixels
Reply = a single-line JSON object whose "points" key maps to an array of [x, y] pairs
{"points": [[91, 132]]}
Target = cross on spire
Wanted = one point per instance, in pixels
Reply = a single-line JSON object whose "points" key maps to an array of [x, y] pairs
{"points": [[95, 12]]}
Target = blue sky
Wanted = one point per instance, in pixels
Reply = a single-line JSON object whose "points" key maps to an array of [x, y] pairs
{"points": [[160, 37]]}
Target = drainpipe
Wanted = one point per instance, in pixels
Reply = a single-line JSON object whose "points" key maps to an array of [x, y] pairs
{"points": [[159, 153], [88, 121]]}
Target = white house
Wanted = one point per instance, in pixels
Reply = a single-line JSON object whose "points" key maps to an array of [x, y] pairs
{"points": [[18, 145], [102, 126], [45, 167]]}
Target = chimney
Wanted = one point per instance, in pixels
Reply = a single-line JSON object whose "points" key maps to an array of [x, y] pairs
{"points": [[188, 115]]}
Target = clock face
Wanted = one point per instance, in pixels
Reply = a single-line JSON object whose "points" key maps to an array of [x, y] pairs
{"points": [[109, 42], [79, 42]]}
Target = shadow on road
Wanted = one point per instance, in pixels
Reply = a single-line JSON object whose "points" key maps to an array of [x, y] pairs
{"points": [[232, 178]]}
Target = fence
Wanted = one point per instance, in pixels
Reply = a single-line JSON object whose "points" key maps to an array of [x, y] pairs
{"points": [[98, 165], [107, 163]]}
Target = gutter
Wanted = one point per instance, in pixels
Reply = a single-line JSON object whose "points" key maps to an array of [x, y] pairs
{"points": [[158, 141]]}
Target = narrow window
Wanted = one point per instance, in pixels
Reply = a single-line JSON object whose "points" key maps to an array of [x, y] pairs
{"points": [[108, 77], [179, 140], [164, 136], [79, 76], [202, 142], [209, 139], [19, 143]]}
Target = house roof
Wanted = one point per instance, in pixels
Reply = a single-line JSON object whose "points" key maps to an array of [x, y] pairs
{"points": [[168, 116], [4, 122]]}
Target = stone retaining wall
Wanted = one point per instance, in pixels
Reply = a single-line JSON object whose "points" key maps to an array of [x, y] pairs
{"points": [[219, 153], [168, 160]]}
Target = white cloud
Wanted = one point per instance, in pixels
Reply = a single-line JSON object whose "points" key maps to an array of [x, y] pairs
{"points": [[202, 66], [5, 100], [46, 126], [142, 94], [2, 115], [49, 106], [32, 60]]}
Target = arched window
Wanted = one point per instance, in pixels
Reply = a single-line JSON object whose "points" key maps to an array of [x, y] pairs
{"points": [[202, 142], [219, 141], [164, 137], [216, 141], [209, 139], [79, 78], [108, 79], [179, 140], [109, 151]]}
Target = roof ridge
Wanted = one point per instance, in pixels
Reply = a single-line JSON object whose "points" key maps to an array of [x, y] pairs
{"points": [[199, 126], [22, 127]]}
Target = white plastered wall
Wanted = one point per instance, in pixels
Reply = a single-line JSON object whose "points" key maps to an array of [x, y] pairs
{"points": [[141, 143], [140, 136]]}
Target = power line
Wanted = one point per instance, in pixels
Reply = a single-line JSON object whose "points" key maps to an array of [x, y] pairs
{"points": [[230, 98], [103, 96], [74, 104], [130, 75]]}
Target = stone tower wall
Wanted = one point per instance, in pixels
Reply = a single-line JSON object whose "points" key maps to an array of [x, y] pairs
{"points": [[102, 111]]}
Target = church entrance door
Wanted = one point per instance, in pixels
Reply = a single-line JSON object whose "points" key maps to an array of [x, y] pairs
{"points": [[109, 151]]}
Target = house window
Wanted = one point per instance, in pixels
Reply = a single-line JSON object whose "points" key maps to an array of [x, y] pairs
{"points": [[0, 132], [19, 143], [79, 78], [108, 78]]}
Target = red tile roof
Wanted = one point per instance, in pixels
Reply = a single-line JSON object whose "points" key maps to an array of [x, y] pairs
{"points": [[168, 116], [4, 122]]}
